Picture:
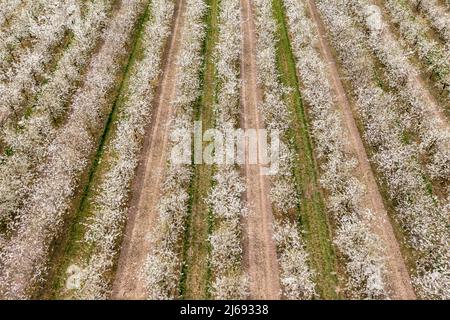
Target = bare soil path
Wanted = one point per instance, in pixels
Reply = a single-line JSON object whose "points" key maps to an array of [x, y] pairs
{"points": [[399, 280], [150, 173], [260, 257]]}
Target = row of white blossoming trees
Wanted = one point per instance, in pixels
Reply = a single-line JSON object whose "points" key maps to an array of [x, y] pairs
{"points": [[77, 82], [407, 140], [39, 220], [225, 198], [354, 237]]}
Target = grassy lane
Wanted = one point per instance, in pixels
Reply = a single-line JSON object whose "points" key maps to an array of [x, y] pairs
{"points": [[195, 279], [70, 249], [312, 215]]}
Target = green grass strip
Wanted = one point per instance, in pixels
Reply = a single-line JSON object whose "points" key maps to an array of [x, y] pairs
{"points": [[196, 274], [312, 216]]}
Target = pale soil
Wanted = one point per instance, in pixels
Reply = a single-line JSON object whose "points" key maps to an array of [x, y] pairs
{"points": [[398, 277], [146, 190], [260, 257]]}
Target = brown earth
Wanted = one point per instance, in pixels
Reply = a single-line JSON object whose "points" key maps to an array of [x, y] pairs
{"points": [[260, 257]]}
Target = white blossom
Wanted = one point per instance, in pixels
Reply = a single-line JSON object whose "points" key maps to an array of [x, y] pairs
{"points": [[296, 278], [423, 219], [24, 258]]}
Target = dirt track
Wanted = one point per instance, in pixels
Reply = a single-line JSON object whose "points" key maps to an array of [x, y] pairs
{"points": [[260, 258], [146, 189], [2, 117], [399, 280]]}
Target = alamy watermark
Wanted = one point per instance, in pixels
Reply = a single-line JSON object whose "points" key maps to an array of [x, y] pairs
{"points": [[227, 146]]}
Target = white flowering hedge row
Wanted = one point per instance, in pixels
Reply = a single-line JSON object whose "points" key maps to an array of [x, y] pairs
{"points": [[401, 74], [438, 16], [161, 271], [414, 32], [27, 140], [23, 259], [295, 276], [354, 238], [225, 197], [423, 220], [105, 225], [22, 77]]}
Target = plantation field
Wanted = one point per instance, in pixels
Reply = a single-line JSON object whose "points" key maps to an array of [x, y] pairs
{"points": [[225, 149]]}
